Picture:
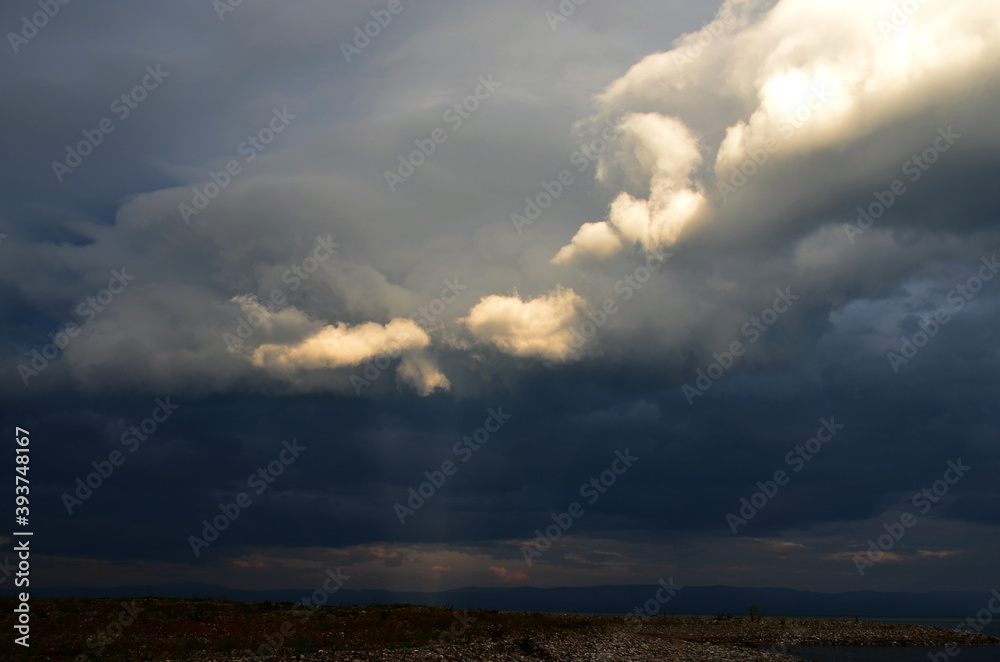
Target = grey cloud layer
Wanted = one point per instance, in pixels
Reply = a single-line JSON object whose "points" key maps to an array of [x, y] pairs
{"points": [[799, 190], [745, 143]]}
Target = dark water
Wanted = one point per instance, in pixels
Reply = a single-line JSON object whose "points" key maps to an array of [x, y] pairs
{"points": [[896, 654], [904, 653]]}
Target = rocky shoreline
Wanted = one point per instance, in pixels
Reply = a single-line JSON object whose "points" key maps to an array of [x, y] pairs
{"points": [[814, 632], [576, 647], [673, 640], [196, 630]]}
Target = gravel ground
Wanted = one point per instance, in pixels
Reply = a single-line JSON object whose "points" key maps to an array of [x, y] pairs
{"points": [[670, 640], [815, 632], [607, 647]]}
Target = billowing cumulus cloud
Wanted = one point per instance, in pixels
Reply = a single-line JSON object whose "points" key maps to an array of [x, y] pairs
{"points": [[342, 345], [537, 328], [422, 373], [595, 239], [723, 138], [757, 88], [660, 155], [813, 182], [872, 63], [339, 345]]}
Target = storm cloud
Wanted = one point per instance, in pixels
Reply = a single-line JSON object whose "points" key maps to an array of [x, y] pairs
{"points": [[693, 232]]}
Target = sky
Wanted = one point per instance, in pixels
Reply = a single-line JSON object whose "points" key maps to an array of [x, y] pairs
{"points": [[503, 294]]}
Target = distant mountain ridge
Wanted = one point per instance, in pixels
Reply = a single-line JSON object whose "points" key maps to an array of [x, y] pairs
{"points": [[609, 599]]}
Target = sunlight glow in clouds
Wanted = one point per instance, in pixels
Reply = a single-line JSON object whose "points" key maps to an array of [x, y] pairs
{"points": [[665, 153], [505, 575], [598, 240], [685, 119], [762, 75], [581, 325], [538, 328], [342, 345]]}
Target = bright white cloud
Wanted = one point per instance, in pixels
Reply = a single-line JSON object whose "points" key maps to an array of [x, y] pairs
{"points": [[539, 328], [658, 154], [866, 92], [760, 83], [871, 64], [342, 346], [597, 239]]}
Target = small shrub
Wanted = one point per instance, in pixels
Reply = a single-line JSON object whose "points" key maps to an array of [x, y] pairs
{"points": [[267, 605], [527, 645]]}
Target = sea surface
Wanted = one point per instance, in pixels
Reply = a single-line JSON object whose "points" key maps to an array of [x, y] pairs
{"points": [[903, 653]]}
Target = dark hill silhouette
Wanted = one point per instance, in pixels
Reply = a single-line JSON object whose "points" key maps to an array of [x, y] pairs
{"points": [[611, 599]]}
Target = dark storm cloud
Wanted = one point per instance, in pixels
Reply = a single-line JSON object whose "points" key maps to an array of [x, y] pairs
{"points": [[502, 325], [361, 462]]}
